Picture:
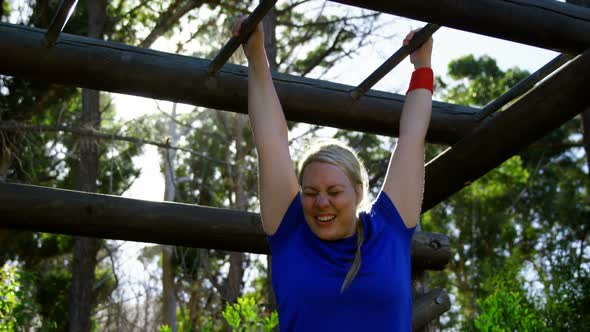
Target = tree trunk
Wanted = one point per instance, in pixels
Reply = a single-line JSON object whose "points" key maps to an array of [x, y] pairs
{"points": [[270, 43], [586, 129], [169, 294], [168, 18], [85, 249], [234, 281]]}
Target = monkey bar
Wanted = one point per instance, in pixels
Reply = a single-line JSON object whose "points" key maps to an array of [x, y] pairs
{"points": [[419, 38], [59, 21]]}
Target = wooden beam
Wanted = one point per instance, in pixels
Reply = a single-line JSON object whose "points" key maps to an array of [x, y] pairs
{"points": [[432, 248], [543, 23], [428, 307], [42, 209], [543, 109], [107, 66]]}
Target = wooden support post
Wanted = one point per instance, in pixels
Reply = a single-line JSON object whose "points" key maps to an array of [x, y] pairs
{"points": [[420, 290], [428, 307], [66, 7], [432, 248], [246, 30], [41, 209], [543, 109], [108, 66], [419, 39], [543, 23]]}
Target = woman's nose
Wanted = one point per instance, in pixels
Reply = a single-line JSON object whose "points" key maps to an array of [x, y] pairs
{"points": [[322, 200]]}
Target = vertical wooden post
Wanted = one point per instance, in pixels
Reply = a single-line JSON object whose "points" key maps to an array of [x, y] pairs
{"points": [[420, 286]]}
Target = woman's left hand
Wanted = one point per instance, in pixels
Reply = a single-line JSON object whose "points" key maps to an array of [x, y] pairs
{"points": [[421, 56]]}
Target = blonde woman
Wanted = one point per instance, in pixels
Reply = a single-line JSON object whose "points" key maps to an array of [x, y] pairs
{"points": [[335, 267]]}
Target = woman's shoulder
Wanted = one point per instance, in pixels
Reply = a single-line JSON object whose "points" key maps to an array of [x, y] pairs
{"points": [[383, 210], [289, 223]]}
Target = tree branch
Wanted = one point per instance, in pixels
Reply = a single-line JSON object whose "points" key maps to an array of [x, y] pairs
{"points": [[169, 18], [15, 126]]}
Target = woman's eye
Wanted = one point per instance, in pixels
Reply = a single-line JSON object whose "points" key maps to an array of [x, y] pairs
{"points": [[310, 194], [334, 193]]}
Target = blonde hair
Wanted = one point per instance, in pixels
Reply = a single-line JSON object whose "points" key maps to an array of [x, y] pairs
{"points": [[338, 154]]}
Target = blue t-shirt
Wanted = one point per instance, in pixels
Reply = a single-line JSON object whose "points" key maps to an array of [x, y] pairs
{"points": [[307, 274]]}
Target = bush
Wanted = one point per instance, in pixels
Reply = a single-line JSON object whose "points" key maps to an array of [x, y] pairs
{"points": [[17, 308], [242, 316], [508, 309]]}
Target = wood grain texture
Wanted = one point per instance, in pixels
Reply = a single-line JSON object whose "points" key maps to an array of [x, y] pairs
{"points": [[543, 23], [107, 66], [42, 209]]}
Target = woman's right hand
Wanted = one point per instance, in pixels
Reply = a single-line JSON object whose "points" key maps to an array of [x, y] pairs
{"points": [[254, 46]]}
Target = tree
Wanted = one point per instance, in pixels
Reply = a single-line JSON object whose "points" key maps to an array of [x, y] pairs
{"points": [[520, 219], [508, 308], [50, 158], [86, 249]]}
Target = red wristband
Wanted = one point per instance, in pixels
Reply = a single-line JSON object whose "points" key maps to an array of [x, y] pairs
{"points": [[422, 78]]}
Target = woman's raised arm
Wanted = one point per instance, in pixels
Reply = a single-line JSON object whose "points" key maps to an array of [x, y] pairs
{"points": [[404, 182], [277, 180]]}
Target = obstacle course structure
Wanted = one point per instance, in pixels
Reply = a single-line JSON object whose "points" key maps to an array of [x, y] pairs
{"points": [[480, 139]]}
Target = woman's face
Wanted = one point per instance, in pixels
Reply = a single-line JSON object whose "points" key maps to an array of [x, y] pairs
{"points": [[329, 201]]}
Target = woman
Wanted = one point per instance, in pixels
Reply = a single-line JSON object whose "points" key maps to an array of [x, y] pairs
{"points": [[336, 268]]}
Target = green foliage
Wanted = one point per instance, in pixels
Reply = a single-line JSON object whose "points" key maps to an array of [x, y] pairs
{"points": [[245, 316], [5, 8], [165, 328], [507, 307], [17, 306], [184, 326], [524, 217], [478, 81], [507, 310], [52, 296]]}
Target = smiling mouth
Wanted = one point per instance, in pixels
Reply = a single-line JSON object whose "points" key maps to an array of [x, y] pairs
{"points": [[325, 219]]}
